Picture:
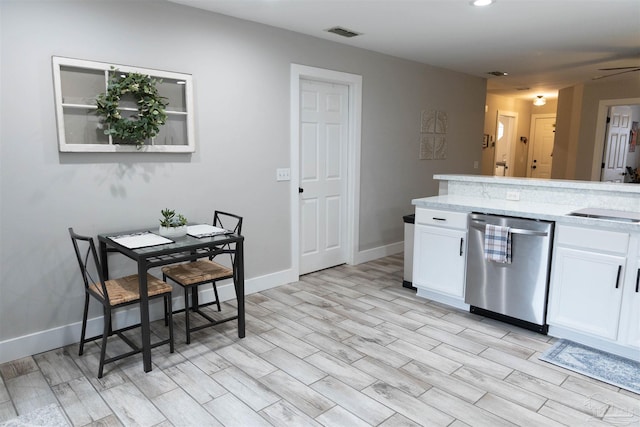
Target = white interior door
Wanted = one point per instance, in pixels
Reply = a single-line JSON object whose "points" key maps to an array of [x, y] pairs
{"points": [[616, 144], [506, 126], [324, 123], [543, 128]]}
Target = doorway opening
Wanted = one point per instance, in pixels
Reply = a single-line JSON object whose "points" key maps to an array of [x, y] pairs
{"points": [[504, 153], [601, 134], [540, 152]]}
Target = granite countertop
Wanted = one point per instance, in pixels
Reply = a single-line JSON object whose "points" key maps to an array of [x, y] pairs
{"points": [[523, 209], [548, 183]]}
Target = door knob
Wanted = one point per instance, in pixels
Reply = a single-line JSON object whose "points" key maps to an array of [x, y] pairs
{"points": [[533, 167], [300, 190]]}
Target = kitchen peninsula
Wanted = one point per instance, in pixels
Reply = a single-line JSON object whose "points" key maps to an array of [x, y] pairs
{"points": [[594, 273]]}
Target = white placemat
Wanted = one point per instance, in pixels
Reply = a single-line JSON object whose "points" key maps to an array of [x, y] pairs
{"points": [[140, 240]]}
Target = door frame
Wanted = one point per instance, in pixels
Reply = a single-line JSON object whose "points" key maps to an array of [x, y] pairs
{"points": [[512, 143], [354, 83], [601, 130], [532, 135]]}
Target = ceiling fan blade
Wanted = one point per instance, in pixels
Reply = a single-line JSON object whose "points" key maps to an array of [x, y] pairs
{"points": [[618, 68], [615, 74]]}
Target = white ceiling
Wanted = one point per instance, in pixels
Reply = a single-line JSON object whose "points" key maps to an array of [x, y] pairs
{"points": [[544, 45]]}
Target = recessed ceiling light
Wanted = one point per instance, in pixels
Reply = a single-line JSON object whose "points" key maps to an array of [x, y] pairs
{"points": [[482, 2]]}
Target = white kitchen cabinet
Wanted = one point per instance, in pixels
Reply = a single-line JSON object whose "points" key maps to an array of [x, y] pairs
{"points": [[440, 253], [592, 297], [630, 314], [587, 291]]}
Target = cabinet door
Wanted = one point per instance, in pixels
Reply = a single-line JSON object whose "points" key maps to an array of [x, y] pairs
{"points": [[630, 316], [439, 260], [586, 292]]}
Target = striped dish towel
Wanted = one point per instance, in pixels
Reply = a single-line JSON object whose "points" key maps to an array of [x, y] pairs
{"points": [[497, 244]]}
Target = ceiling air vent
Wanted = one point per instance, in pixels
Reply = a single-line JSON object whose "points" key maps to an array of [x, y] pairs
{"points": [[342, 32], [497, 73]]}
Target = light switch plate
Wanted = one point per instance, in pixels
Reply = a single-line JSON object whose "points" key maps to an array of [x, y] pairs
{"points": [[283, 174]]}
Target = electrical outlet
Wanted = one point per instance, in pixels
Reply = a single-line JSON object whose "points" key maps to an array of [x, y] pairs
{"points": [[283, 174], [513, 195], [475, 164]]}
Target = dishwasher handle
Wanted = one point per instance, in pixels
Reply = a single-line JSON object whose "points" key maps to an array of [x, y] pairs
{"points": [[514, 230]]}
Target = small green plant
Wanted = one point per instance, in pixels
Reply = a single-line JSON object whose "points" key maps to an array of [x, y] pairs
{"points": [[170, 219]]}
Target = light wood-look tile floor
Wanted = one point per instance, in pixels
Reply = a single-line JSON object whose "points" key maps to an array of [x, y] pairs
{"points": [[347, 346]]}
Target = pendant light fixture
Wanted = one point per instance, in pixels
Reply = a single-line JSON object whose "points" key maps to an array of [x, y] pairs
{"points": [[539, 101]]}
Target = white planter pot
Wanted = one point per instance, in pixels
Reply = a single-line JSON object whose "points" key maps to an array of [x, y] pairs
{"points": [[173, 231]]}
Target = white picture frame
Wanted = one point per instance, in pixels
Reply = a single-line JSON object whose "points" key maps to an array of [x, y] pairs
{"points": [[76, 84]]}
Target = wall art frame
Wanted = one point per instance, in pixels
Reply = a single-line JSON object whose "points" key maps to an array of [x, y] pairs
{"points": [[77, 82]]}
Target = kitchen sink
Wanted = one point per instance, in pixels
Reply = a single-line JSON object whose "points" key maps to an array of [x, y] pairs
{"points": [[608, 214]]}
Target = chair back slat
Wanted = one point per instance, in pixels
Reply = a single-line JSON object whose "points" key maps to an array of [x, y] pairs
{"points": [[230, 222], [89, 262]]}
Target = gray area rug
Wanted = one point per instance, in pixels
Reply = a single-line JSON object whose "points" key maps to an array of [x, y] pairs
{"points": [[603, 366], [49, 416]]}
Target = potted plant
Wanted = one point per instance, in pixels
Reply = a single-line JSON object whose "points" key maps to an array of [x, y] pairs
{"points": [[172, 225]]}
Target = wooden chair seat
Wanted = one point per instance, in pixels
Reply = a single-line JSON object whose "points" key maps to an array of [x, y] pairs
{"points": [[201, 271], [125, 289]]}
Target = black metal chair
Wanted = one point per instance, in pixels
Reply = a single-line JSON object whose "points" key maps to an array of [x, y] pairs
{"points": [[113, 294], [193, 274]]}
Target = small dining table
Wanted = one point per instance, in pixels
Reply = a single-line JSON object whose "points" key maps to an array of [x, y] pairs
{"points": [[176, 250]]}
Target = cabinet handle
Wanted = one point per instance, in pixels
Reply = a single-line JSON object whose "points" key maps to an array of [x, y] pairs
{"points": [[462, 243], [637, 280], [618, 277], [439, 219]]}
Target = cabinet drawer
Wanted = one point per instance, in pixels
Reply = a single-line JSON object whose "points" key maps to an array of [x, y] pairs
{"points": [[441, 218], [599, 240]]}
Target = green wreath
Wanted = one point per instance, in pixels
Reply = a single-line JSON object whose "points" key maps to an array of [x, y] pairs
{"points": [[151, 108]]}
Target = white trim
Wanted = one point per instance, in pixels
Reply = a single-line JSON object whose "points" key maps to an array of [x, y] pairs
{"points": [[38, 342], [379, 252], [601, 129], [354, 82], [532, 135]]}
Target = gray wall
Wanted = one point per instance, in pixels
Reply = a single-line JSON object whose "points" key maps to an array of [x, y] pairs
{"points": [[525, 109], [241, 75], [577, 122]]}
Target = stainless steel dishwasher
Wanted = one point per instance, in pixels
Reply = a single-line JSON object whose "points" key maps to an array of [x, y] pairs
{"points": [[516, 292]]}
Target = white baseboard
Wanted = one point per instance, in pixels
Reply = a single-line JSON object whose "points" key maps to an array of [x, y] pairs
{"points": [[41, 341], [379, 252], [61, 336]]}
